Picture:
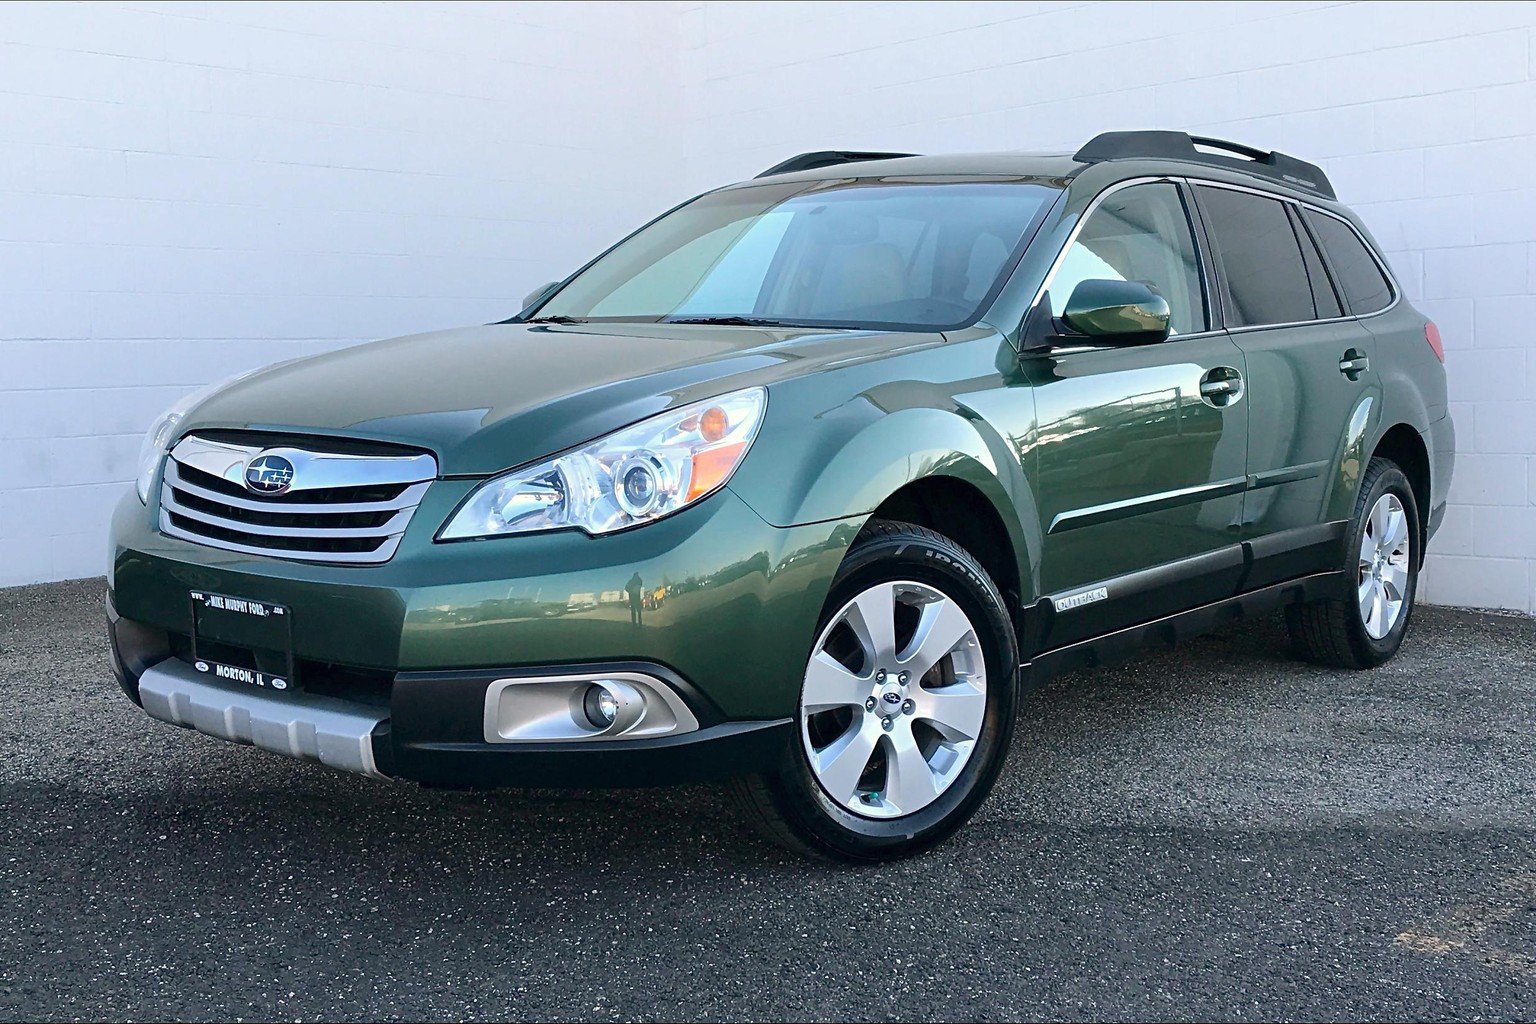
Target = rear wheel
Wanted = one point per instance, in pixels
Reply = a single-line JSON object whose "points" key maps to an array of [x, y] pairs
{"points": [[906, 706], [1366, 628]]}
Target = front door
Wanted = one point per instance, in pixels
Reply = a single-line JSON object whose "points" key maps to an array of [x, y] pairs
{"points": [[1138, 461]]}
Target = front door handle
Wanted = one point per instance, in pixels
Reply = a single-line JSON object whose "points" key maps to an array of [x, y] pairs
{"points": [[1353, 363], [1221, 386]]}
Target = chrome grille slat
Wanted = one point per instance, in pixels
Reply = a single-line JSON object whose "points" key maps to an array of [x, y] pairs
{"points": [[408, 499], [383, 553], [395, 525], [315, 470]]}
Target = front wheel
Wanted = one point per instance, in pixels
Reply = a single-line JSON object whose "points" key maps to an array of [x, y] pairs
{"points": [[1366, 627], [906, 707]]}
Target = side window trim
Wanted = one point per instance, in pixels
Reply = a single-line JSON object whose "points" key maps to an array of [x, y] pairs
{"points": [[1381, 263], [1309, 243], [1218, 283], [1210, 281]]}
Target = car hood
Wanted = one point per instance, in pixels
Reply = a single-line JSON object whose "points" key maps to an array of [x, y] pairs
{"points": [[490, 398]]}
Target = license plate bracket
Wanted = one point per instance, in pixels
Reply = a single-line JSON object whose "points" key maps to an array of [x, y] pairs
{"points": [[243, 640]]}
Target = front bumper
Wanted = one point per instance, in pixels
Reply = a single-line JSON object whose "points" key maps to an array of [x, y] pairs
{"points": [[397, 658], [357, 737]]}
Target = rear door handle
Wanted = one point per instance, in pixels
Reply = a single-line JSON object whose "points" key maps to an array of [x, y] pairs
{"points": [[1353, 363], [1221, 386]]}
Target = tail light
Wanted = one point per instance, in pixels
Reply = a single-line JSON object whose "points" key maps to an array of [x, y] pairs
{"points": [[1432, 335]]}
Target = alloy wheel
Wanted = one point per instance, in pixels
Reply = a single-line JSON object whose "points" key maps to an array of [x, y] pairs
{"points": [[894, 699], [1385, 549]]}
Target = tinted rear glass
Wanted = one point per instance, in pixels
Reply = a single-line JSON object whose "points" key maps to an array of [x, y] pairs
{"points": [[1262, 272], [1365, 287], [1323, 296]]}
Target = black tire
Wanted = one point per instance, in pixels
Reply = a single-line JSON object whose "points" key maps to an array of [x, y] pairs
{"points": [[789, 806], [1332, 632]]}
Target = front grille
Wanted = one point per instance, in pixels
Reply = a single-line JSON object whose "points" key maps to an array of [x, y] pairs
{"points": [[302, 520], [320, 496], [340, 506]]}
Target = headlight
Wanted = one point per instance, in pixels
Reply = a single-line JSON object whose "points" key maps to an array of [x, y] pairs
{"points": [[154, 446], [634, 476], [158, 441]]}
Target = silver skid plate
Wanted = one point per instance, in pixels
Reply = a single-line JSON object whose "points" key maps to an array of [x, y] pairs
{"points": [[335, 732]]}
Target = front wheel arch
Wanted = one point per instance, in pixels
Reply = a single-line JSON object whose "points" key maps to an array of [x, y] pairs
{"points": [[959, 510]]}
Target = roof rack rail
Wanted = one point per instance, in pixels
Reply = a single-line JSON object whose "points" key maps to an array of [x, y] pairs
{"points": [[1165, 145], [826, 158]]}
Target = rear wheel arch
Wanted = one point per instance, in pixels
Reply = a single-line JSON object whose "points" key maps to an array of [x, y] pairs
{"points": [[1404, 446]]}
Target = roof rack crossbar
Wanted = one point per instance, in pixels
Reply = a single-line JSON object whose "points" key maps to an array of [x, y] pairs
{"points": [[826, 158], [1165, 145]]}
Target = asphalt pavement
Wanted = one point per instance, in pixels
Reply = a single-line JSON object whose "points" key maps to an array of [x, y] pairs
{"points": [[1213, 832]]}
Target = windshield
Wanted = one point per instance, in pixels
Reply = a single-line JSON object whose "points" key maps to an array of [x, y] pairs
{"points": [[846, 253]]}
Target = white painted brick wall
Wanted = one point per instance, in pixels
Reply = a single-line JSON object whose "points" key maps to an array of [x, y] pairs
{"points": [[1423, 114], [186, 191], [190, 190]]}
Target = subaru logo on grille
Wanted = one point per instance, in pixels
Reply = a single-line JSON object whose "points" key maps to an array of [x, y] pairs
{"points": [[268, 474]]}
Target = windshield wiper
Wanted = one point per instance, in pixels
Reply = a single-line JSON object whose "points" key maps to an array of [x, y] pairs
{"points": [[553, 320], [727, 321]]}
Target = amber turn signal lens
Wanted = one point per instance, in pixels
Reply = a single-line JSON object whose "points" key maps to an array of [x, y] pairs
{"points": [[713, 424], [712, 467]]}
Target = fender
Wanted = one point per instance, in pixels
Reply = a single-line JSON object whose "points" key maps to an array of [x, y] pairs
{"points": [[1400, 385], [1414, 393], [862, 455]]}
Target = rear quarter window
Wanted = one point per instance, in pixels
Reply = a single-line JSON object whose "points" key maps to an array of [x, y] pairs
{"points": [[1359, 276]]}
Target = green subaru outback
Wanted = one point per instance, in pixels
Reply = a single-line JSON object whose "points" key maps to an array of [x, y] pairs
{"points": [[800, 484]]}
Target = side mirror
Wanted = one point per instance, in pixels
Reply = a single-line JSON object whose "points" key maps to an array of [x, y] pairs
{"points": [[1117, 312], [539, 294]]}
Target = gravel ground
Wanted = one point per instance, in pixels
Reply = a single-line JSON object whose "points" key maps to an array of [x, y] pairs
{"points": [[1215, 832]]}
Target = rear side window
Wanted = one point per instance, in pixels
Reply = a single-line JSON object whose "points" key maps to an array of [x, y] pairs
{"points": [[1365, 287], [1262, 273], [1323, 296]]}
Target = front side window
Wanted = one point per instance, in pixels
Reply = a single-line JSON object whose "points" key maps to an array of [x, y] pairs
{"points": [[1262, 273], [1365, 287], [847, 253], [1140, 233]]}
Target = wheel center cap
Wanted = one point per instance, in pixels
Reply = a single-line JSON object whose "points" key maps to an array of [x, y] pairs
{"points": [[888, 700]]}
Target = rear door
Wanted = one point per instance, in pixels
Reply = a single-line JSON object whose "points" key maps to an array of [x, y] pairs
{"points": [[1308, 376]]}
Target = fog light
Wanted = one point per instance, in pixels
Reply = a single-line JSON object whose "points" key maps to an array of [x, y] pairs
{"points": [[601, 706]]}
